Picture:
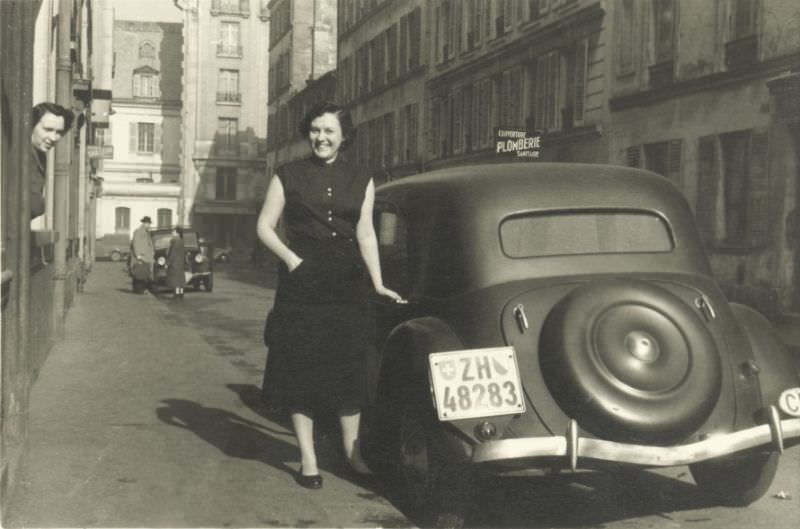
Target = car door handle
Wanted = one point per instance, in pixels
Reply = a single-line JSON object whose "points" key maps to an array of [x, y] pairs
{"points": [[522, 318]]}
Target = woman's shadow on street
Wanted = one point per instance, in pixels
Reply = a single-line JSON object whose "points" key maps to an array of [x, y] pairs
{"points": [[232, 434]]}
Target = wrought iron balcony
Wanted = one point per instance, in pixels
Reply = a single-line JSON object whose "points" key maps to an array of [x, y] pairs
{"points": [[229, 50], [230, 7], [229, 97], [741, 53]]}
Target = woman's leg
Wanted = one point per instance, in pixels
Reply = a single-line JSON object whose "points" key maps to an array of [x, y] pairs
{"points": [[350, 420], [303, 423]]}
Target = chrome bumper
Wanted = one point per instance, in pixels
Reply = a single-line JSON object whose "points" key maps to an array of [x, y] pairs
{"points": [[574, 447]]}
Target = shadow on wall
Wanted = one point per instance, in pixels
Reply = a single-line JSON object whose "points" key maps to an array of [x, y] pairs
{"points": [[231, 187]]}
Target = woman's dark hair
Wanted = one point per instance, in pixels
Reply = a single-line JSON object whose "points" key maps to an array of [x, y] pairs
{"points": [[327, 107], [179, 231], [57, 110]]}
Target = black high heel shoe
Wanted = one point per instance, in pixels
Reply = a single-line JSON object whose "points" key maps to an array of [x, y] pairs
{"points": [[310, 482]]}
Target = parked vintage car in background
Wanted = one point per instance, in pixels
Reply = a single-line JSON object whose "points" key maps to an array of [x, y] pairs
{"points": [[113, 246], [199, 268], [564, 317]]}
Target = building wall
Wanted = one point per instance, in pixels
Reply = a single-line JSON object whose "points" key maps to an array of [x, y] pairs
{"points": [[303, 52], [140, 175], [711, 89], [212, 51], [43, 266], [384, 87]]}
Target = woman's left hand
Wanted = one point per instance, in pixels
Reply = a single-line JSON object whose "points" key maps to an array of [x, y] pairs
{"points": [[383, 291]]}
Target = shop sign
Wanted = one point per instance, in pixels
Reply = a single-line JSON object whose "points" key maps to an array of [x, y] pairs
{"points": [[517, 142]]}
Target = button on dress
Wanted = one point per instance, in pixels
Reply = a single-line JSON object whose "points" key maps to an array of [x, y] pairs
{"points": [[319, 330]]}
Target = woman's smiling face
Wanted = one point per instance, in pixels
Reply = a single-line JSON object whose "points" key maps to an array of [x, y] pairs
{"points": [[325, 136]]}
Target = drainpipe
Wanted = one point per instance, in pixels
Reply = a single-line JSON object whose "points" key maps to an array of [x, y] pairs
{"points": [[62, 167], [313, 37]]}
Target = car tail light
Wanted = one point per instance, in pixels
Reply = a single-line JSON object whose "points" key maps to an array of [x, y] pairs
{"points": [[161, 261]]}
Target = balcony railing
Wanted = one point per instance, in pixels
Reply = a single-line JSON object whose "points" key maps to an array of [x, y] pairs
{"points": [[229, 97], [230, 7], [662, 74], [229, 50], [741, 53]]}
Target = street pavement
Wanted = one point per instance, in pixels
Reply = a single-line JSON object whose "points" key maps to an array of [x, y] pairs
{"points": [[146, 414]]}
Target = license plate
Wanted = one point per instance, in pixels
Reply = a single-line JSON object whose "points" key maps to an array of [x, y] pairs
{"points": [[789, 401], [476, 383]]}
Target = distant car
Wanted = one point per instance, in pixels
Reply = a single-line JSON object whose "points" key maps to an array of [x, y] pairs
{"points": [[199, 268], [564, 317], [223, 254], [113, 246]]}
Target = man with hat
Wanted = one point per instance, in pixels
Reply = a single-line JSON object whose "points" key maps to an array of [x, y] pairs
{"points": [[142, 250]]}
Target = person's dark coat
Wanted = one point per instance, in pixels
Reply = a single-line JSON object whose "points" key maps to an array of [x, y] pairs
{"points": [[176, 259]]}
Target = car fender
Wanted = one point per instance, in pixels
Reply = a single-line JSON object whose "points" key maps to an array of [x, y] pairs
{"points": [[776, 372], [405, 358]]}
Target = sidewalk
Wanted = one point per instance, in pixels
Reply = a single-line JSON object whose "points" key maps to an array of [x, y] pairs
{"points": [[145, 415]]}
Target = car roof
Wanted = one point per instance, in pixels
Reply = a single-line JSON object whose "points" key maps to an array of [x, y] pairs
{"points": [[462, 207]]}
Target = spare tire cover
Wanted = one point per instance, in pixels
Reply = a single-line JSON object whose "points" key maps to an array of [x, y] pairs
{"points": [[630, 361]]}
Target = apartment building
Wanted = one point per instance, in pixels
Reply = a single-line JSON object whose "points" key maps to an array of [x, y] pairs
{"points": [[381, 78], [302, 51], [139, 142], [224, 115], [706, 94]]}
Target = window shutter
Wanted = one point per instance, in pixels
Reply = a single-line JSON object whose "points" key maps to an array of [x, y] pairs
{"points": [[137, 85], [633, 156], [414, 26], [675, 161], [708, 180], [133, 140], [758, 192], [541, 89], [403, 58], [581, 57], [157, 134], [515, 97]]}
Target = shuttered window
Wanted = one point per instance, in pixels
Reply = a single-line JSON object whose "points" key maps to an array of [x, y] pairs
{"points": [[733, 190], [579, 103], [144, 138]]}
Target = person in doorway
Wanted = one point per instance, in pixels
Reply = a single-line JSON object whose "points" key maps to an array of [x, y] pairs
{"points": [[176, 264], [50, 123], [142, 256], [318, 330]]}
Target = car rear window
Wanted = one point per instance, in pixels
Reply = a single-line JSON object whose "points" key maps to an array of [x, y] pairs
{"points": [[578, 232]]}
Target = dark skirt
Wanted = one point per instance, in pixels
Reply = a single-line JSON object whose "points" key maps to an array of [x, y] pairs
{"points": [[318, 331]]}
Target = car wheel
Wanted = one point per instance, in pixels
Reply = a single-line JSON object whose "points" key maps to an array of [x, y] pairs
{"points": [[208, 283], [418, 466], [116, 256], [630, 361], [736, 481]]}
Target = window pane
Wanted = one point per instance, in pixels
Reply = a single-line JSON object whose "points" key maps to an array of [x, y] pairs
{"points": [[146, 132], [584, 232]]}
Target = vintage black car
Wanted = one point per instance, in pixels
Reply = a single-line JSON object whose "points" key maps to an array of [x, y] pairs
{"points": [[199, 268], [563, 317]]}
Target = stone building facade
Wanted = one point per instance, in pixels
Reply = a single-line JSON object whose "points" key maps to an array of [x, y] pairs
{"points": [[224, 117], [302, 50], [140, 143], [690, 98]]}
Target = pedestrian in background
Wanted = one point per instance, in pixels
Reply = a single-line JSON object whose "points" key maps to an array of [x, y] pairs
{"points": [[50, 123], [176, 264], [142, 256], [318, 331]]}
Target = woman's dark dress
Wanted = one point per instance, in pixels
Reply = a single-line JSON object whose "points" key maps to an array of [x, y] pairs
{"points": [[319, 331], [176, 261]]}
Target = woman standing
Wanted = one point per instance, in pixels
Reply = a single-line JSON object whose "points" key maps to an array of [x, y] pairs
{"points": [[176, 261], [318, 332]]}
